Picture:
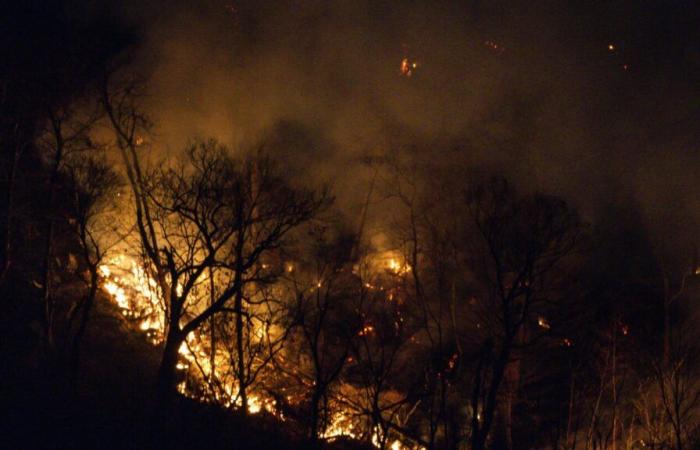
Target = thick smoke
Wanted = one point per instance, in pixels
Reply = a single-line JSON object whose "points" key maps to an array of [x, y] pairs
{"points": [[531, 90]]}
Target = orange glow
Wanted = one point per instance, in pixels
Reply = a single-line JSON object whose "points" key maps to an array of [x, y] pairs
{"points": [[491, 45], [137, 296], [408, 67], [367, 329]]}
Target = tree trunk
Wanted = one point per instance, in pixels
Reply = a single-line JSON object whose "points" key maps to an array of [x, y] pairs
{"points": [[161, 430], [48, 249], [667, 321], [679, 439], [7, 220], [165, 384], [571, 443], [77, 339], [314, 425], [238, 307], [614, 387], [479, 437], [212, 331], [46, 275]]}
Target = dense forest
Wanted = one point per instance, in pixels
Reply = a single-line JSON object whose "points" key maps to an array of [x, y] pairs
{"points": [[224, 295]]}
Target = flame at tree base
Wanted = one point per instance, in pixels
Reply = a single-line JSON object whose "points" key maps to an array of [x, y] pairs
{"points": [[135, 293]]}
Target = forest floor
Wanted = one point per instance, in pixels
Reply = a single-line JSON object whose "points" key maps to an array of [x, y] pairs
{"points": [[111, 405]]}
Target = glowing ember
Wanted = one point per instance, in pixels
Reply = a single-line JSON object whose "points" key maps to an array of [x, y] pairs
{"points": [[408, 67], [398, 267], [367, 329], [491, 45], [341, 424]]}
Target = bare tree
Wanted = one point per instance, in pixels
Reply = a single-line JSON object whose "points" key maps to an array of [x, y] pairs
{"points": [[265, 333], [67, 131], [327, 314], [380, 354], [429, 255], [519, 245], [93, 210], [209, 212], [676, 380], [14, 141]]}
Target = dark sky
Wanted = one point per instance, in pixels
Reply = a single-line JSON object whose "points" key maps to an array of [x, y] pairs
{"points": [[596, 101]]}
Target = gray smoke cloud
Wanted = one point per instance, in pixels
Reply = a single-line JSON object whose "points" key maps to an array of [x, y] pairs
{"points": [[529, 91]]}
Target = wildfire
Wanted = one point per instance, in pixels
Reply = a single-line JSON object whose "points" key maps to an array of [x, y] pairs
{"points": [[341, 424], [118, 294], [398, 267], [136, 294], [408, 67]]}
